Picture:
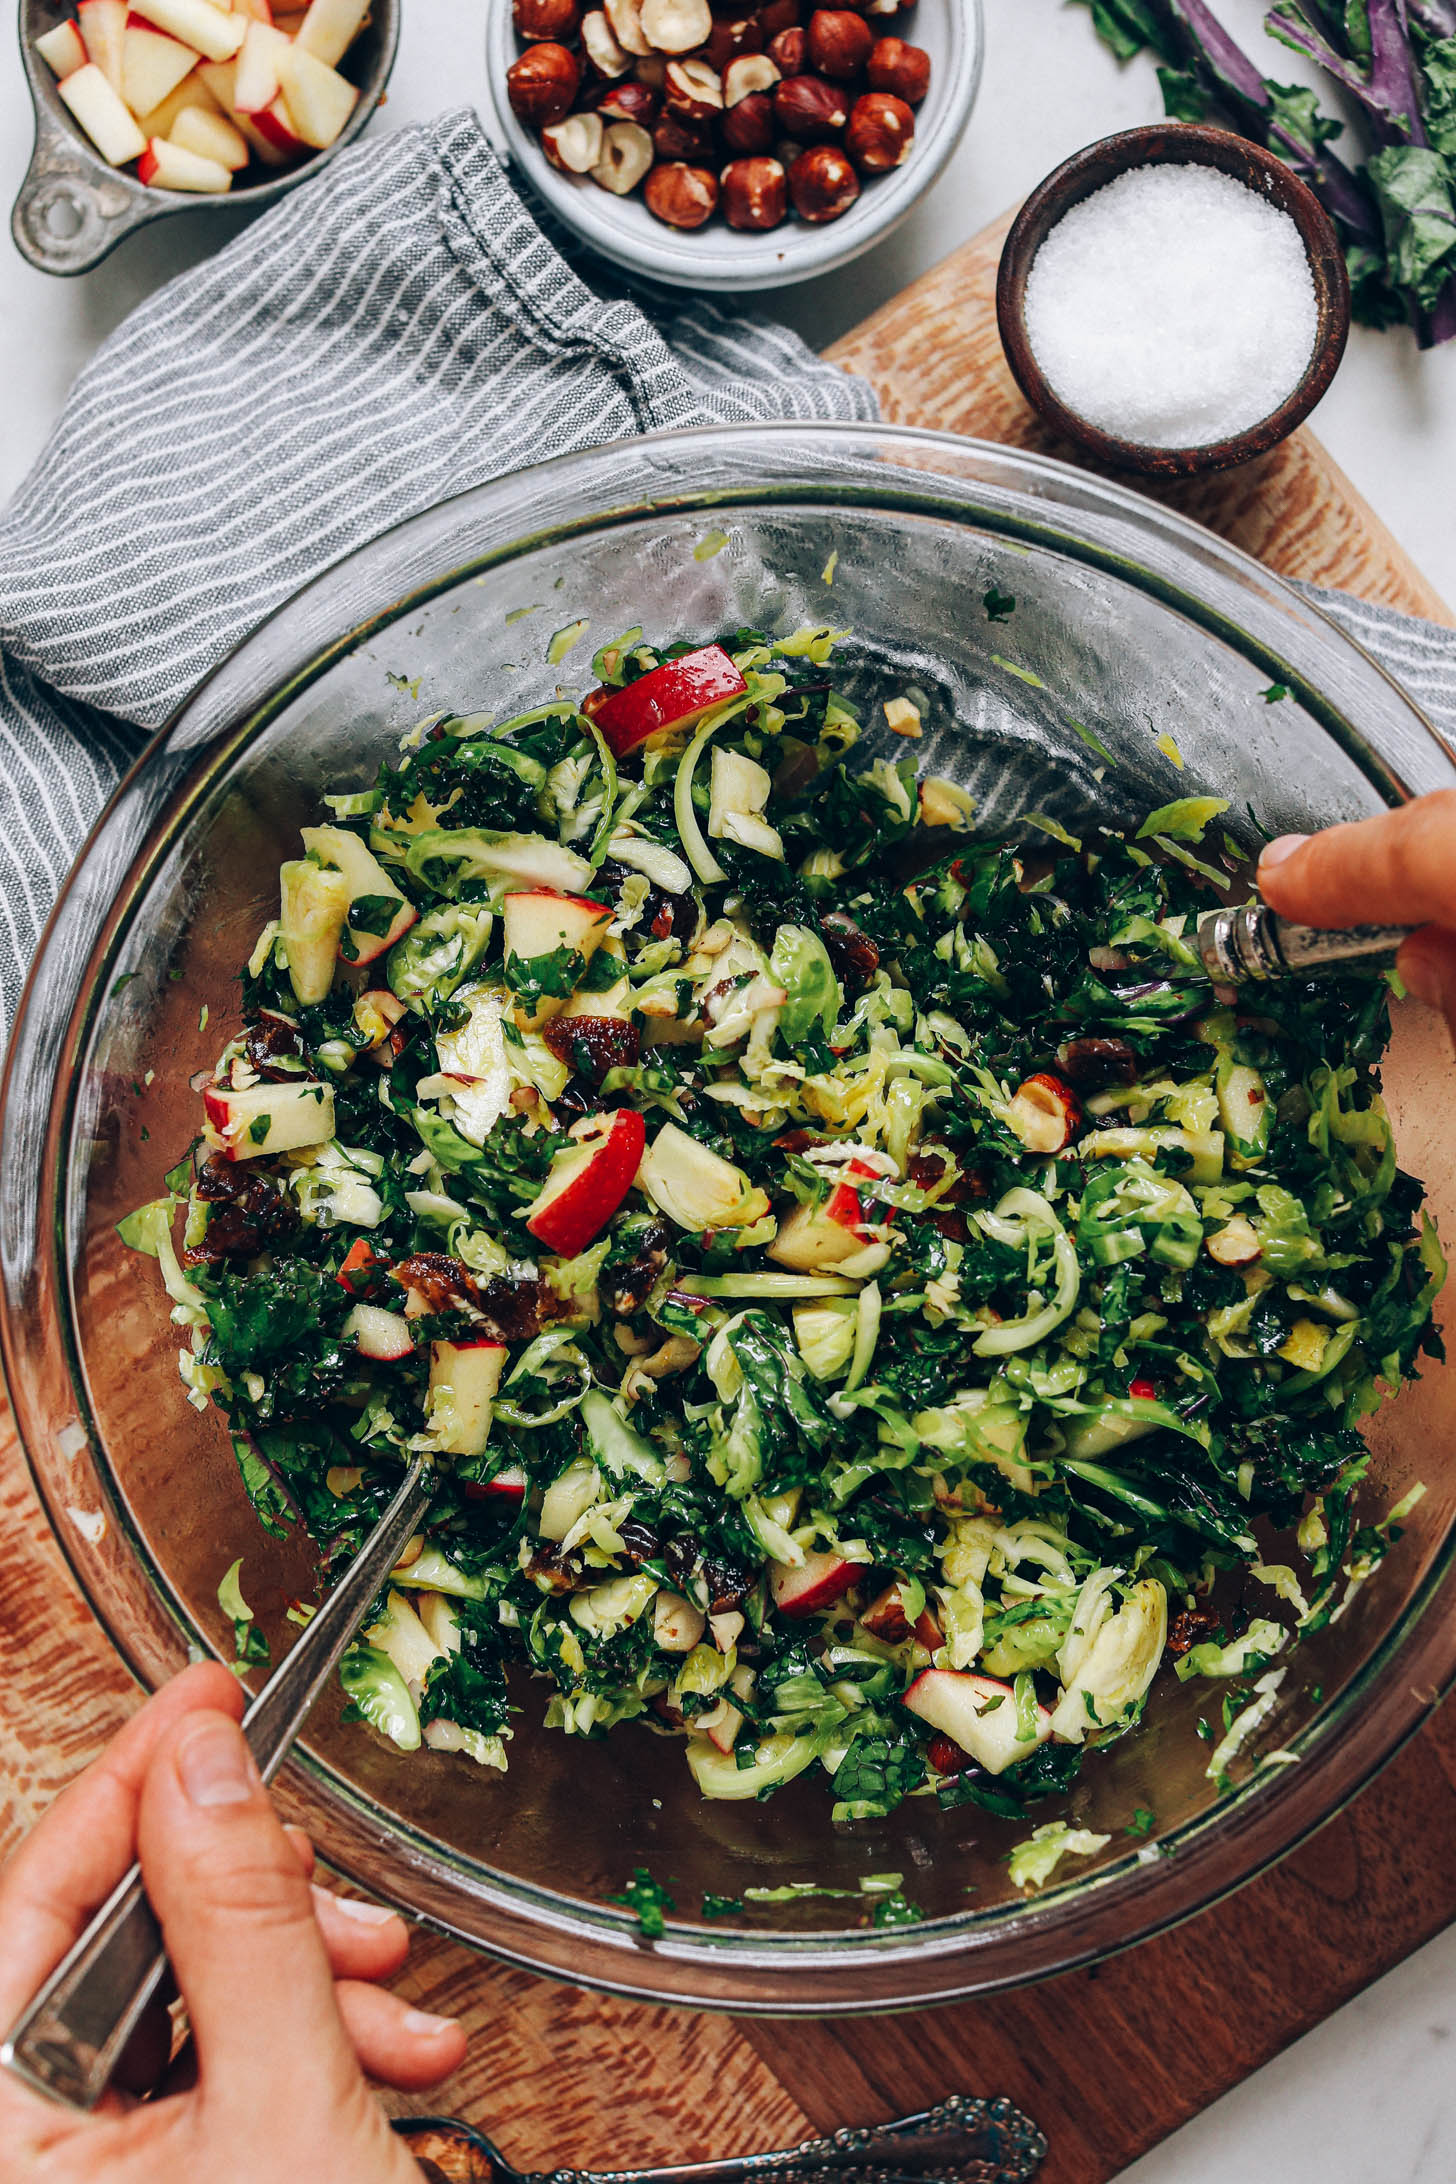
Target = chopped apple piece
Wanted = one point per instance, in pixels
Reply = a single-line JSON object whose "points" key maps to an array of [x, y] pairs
{"points": [[697, 1187], [815, 1583], [464, 1377], [376, 1333], [210, 136], [190, 95], [102, 115], [369, 884], [314, 902], [256, 83], [102, 24], [675, 695], [275, 126], [814, 1237], [270, 1118], [979, 1714], [214, 34], [167, 166], [257, 10], [588, 1182], [318, 98], [61, 49], [330, 28], [537, 921], [740, 791], [152, 66]]}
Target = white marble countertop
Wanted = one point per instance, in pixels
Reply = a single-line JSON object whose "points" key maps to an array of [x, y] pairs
{"points": [[1370, 2093]]}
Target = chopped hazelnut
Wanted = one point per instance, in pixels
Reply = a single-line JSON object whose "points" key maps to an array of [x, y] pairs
{"points": [[730, 36], [839, 43], [573, 145], [602, 49], [902, 70], [789, 51], [750, 72], [542, 84], [681, 196], [755, 193], [677, 26], [625, 17], [629, 101], [822, 184], [693, 91], [748, 127], [557, 20], [880, 134], [809, 109], [626, 158], [676, 138]]}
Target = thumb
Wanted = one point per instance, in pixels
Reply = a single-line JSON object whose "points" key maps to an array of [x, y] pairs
{"points": [[1427, 966], [237, 1917]]}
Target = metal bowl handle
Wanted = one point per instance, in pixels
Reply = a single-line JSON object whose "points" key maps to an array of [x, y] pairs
{"points": [[72, 209]]}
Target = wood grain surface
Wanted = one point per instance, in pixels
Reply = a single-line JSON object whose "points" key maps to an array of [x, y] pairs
{"points": [[1108, 2060]]}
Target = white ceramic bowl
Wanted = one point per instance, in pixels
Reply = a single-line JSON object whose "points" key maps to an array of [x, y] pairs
{"points": [[716, 257]]}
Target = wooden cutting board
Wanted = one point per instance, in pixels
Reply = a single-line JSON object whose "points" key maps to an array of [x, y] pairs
{"points": [[1109, 2060]]}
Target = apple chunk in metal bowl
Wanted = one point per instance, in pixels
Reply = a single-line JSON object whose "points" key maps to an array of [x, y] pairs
{"points": [[1134, 635]]}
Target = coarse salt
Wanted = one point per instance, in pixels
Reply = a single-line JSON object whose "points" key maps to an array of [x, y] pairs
{"points": [[1173, 307]]}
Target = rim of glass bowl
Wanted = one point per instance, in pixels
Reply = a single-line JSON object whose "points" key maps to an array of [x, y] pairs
{"points": [[1026, 497]]}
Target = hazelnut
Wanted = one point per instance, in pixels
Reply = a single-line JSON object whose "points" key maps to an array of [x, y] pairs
{"points": [[626, 158], [730, 37], [676, 26], [694, 92], [840, 43], [628, 102], [677, 139], [808, 108], [602, 49], [789, 51], [573, 145], [750, 72], [880, 134], [651, 70], [822, 184], [755, 193], [748, 127], [542, 84], [625, 17], [554, 19], [883, 7], [779, 15], [902, 70], [681, 196]]}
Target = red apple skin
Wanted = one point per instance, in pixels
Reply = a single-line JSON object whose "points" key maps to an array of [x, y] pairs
{"points": [[580, 1212], [507, 1485], [275, 131], [844, 1205], [357, 1271], [671, 696], [215, 1107], [817, 1583]]}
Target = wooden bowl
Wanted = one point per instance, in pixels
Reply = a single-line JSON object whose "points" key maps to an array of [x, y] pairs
{"points": [[1174, 144]]}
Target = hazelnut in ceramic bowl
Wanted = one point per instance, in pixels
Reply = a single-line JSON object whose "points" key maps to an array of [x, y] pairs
{"points": [[732, 144]]}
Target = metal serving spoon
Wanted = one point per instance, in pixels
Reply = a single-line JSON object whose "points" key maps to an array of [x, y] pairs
{"points": [[71, 2037], [1251, 944], [963, 2140]]}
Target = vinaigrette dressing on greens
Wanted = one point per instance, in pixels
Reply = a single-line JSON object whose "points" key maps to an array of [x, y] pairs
{"points": [[973, 1281]]}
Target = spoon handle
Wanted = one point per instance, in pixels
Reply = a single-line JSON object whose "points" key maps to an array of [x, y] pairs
{"points": [[70, 2038], [963, 2140], [1253, 944]]}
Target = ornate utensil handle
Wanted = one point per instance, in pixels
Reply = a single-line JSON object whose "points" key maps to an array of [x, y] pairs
{"points": [[72, 2036], [963, 2140], [1252, 944]]}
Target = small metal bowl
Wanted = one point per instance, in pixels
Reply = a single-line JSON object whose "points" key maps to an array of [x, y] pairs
{"points": [[1174, 144], [74, 208]]}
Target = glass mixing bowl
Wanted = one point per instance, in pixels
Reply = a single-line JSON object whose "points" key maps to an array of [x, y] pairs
{"points": [[1141, 628]]}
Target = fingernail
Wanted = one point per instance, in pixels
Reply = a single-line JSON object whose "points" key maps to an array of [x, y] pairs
{"points": [[426, 2027], [1274, 853], [215, 1766], [367, 1914]]}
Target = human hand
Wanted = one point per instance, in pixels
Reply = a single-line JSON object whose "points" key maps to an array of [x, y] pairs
{"points": [[1397, 869], [277, 1975]]}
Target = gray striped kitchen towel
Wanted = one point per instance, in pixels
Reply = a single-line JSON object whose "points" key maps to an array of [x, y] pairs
{"points": [[398, 330]]}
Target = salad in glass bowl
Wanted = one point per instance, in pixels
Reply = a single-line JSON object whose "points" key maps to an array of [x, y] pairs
{"points": [[873, 1305]]}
